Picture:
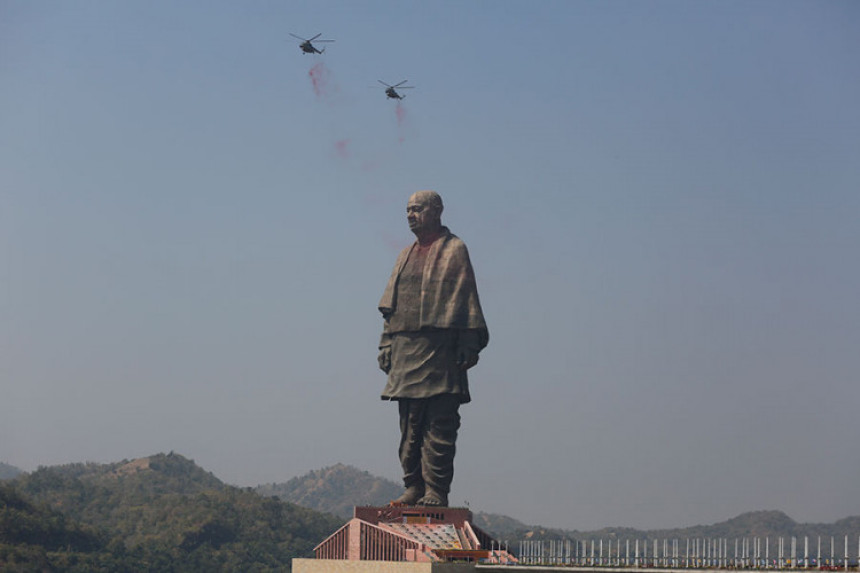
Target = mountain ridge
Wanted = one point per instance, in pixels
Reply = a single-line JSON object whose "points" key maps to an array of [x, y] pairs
{"points": [[8, 471], [337, 488], [158, 513], [164, 512], [334, 489]]}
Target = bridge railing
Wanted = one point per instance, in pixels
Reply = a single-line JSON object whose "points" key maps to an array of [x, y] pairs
{"points": [[778, 553]]}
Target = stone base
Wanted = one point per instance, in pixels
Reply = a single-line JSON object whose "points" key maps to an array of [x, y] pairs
{"points": [[344, 566], [408, 534]]}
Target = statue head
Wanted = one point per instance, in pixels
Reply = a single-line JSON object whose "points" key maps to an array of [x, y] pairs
{"points": [[424, 213]]}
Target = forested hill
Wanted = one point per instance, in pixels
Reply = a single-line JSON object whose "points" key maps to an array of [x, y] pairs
{"points": [[165, 513], [38, 539], [8, 472], [772, 524], [336, 489], [160, 513]]}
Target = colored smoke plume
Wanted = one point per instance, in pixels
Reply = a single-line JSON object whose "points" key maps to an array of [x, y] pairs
{"points": [[400, 111], [394, 244], [341, 147], [319, 75]]}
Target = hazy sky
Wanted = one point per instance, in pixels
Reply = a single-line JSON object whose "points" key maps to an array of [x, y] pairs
{"points": [[660, 200]]}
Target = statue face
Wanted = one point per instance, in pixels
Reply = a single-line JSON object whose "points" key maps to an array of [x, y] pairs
{"points": [[420, 215]]}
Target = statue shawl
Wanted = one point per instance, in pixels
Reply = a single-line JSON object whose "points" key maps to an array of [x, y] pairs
{"points": [[449, 295]]}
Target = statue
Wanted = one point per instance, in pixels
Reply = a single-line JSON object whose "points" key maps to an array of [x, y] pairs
{"points": [[433, 331]]}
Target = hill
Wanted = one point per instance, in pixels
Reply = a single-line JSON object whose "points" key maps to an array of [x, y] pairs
{"points": [[760, 524], [39, 539], [166, 513], [336, 489], [8, 472]]}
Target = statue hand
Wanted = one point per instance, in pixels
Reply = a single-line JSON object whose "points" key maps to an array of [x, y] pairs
{"points": [[384, 359], [467, 357]]}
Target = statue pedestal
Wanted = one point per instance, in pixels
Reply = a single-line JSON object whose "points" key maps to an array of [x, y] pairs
{"points": [[340, 566], [412, 534]]}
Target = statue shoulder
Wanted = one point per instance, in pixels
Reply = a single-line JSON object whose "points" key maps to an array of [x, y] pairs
{"points": [[452, 241], [454, 246]]}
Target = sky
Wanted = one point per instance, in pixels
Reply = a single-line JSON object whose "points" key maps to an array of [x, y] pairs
{"points": [[660, 201]]}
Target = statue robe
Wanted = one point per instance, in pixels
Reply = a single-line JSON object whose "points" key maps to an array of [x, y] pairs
{"points": [[440, 314]]}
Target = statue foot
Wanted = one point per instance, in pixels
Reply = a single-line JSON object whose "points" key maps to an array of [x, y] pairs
{"points": [[434, 499], [411, 496]]}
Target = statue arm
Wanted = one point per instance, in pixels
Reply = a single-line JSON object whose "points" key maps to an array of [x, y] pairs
{"points": [[384, 356], [385, 339], [468, 347]]}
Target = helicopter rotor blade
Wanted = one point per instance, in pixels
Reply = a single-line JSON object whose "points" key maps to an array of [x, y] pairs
{"points": [[385, 84], [401, 83], [315, 37], [297, 37]]}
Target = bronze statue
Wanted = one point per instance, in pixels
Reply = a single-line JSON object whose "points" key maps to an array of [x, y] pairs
{"points": [[433, 331]]}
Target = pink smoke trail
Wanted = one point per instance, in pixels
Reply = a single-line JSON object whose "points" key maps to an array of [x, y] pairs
{"points": [[395, 245], [319, 75], [400, 111], [369, 165], [341, 147]]}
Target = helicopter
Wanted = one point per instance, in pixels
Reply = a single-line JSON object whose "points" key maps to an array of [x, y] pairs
{"points": [[392, 93], [307, 47]]}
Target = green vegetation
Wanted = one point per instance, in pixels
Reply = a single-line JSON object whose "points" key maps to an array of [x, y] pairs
{"points": [[161, 513], [8, 472], [335, 489], [773, 524], [36, 538], [338, 488], [164, 514]]}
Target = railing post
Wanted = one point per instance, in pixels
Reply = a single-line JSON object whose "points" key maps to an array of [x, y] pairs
{"points": [[687, 556], [818, 559]]}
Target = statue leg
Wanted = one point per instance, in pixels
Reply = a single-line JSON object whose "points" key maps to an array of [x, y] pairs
{"points": [[412, 417], [441, 423]]}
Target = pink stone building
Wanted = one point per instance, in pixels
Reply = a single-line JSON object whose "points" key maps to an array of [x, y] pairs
{"points": [[422, 534]]}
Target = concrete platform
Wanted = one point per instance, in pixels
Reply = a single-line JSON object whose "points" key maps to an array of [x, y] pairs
{"points": [[345, 566], [412, 534]]}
